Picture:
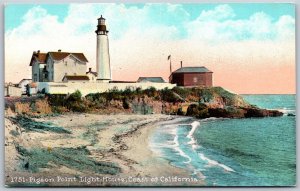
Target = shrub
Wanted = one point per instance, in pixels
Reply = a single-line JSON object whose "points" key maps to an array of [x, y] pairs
{"points": [[56, 99], [206, 95], [42, 106], [168, 95], [150, 92], [76, 96], [113, 94], [183, 92], [78, 107], [22, 108]]}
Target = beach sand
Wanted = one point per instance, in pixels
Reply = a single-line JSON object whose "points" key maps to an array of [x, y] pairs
{"points": [[122, 139]]}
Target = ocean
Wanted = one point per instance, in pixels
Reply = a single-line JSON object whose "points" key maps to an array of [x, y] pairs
{"points": [[234, 152]]}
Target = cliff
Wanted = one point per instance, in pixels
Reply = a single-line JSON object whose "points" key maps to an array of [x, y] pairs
{"points": [[197, 102]]}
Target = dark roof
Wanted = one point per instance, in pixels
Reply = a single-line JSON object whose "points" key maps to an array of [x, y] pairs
{"points": [[95, 73], [76, 78], [151, 79], [24, 80], [62, 55], [200, 69], [41, 57]]}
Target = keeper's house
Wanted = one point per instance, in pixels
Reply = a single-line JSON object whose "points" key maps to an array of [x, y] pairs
{"points": [[192, 77]]}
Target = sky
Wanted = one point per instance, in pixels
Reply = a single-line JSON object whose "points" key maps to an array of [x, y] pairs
{"points": [[249, 47]]}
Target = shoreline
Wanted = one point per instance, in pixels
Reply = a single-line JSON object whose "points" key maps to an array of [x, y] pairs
{"points": [[148, 162], [122, 139]]}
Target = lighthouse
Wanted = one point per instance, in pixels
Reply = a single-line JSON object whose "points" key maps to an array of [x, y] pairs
{"points": [[103, 60]]}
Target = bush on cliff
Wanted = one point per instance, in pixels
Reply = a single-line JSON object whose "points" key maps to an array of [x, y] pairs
{"points": [[182, 92], [151, 92], [198, 110], [206, 95], [168, 96], [75, 97], [75, 103]]}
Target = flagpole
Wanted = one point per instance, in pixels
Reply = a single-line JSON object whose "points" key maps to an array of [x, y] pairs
{"points": [[169, 58], [170, 66]]}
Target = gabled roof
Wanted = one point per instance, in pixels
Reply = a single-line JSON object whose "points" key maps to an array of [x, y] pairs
{"points": [[25, 79], [200, 69], [40, 57], [61, 55], [151, 79], [76, 77], [95, 73]]}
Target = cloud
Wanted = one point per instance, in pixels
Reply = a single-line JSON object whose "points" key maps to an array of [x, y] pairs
{"points": [[141, 38], [218, 25], [219, 13]]}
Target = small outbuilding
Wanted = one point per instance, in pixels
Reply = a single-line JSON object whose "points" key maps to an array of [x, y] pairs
{"points": [[23, 84], [192, 77], [92, 75], [76, 78]]}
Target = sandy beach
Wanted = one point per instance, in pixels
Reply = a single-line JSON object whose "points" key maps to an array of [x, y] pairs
{"points": [[120, 139]]}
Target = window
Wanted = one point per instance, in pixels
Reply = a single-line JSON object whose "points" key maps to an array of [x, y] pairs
{"points": [[35, 77], [195, 79]]}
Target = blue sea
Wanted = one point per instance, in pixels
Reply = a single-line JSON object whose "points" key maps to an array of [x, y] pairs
{"points": [[234, 152]]}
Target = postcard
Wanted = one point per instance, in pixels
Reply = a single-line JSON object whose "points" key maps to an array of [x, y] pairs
{"points": [[150, 94]]}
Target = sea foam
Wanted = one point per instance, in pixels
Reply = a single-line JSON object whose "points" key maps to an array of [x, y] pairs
{"points": [[192, 141], [215, 163]]}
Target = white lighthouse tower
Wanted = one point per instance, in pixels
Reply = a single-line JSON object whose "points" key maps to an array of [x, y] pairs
{"points": [[103, 61]]}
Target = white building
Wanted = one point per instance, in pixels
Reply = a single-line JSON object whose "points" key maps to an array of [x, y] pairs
{"points": [[23, 85], [53, 66], [64, 72], [92, 75], [103, 59], [37, 63]]}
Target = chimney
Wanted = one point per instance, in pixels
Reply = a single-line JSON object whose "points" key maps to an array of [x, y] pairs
{"points": [[180, 64], [90, 69], [59, 50]]}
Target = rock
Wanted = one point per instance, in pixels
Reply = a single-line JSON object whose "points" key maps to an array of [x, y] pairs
{"points": [[256, 112], [228, 112], [199, 111], [291, 114]]}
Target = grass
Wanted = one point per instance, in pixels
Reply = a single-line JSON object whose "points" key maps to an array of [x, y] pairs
{"points": [[31, 125], [74, 158]]}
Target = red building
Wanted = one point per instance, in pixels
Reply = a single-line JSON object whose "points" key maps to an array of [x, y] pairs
{"points": [[192, 76]]}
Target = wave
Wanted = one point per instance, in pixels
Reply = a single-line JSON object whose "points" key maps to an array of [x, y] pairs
{"points": [[179, 150], [215, 163], [192, 141], [286, 111]]}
